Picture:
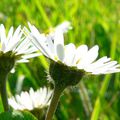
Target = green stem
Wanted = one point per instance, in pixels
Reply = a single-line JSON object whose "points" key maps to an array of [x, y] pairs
{"points": [[4, 92], [54, 103]]}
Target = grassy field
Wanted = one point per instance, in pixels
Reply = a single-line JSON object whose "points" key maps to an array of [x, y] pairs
{"points": [[96, 97]]}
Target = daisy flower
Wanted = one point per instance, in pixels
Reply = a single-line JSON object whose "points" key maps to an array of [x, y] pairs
{"points": [[14, 48], [31, 100], [15, 44], [81, 57], [68, 63]]}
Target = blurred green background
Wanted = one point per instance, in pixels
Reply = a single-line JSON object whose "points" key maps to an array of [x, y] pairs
{"points": [[94, 22]]}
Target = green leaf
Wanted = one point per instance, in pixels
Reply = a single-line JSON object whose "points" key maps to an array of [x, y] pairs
{"points": [[17, 115]]}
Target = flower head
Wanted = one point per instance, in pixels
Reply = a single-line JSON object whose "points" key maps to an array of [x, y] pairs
{"points": [[14, 47], [69, 62], [81, 57], [31, 100]]}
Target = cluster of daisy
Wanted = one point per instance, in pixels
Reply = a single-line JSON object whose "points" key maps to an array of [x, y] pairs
{"points": [[66, 61]]}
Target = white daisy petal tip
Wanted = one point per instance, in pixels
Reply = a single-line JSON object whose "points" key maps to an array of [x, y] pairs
{"points": [[97, 47], [64, 27], [29, 24], [2, 26]]}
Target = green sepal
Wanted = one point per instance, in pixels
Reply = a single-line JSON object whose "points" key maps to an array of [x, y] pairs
{"points": [[7, 60], [63, 75]]}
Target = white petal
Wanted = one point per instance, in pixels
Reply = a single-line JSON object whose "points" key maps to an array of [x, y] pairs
{"points": [[43, 95], [35, 31], [3, 37], [19, 101], [69, 54], [97, 64], [64, 27], [106, 72], [15, 39], [33, 97], [48, 96], [106, 67], [30, 50], [112, 71], [42, 46], [88, 58], [13, 70], [13, 103], [31, 55], [38, 40], [50, 44], [80, 53], [58, 40], [22, 61], [10, 33], [26, 101], [92, 54], [60, 52], [25, 44]]}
